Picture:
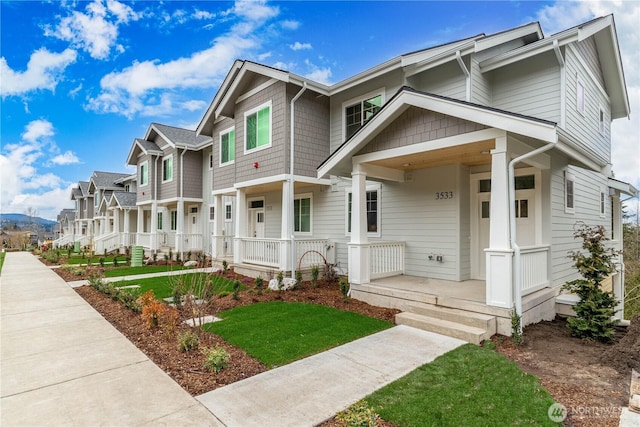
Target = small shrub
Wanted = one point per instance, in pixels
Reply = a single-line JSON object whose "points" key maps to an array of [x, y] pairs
{"points": [[188, 256], [298, 278], [115, 261], [516, 332], [344, 288], [101, 261], [280, 279], [315, 271], [177, 297], [360, 414], [225, 266], [216, 358], [236, 289], [330, 273], [188, 340], [170, 255], [259, 282]]}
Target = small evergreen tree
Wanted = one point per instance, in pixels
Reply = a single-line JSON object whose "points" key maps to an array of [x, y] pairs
{"points": [[595, 310]]}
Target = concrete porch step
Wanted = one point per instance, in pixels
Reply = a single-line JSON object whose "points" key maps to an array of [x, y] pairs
{"points": [[467, 333], [469, 318]]}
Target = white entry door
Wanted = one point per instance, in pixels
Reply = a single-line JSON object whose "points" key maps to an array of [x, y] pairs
{"points": [[256, 222], [193, 224]]}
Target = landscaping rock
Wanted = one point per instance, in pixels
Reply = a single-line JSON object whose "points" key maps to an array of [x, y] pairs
{"points": [[191, 263], [287, 283]]}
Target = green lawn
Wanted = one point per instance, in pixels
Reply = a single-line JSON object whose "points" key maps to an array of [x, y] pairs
{"points": [[108, 260], [468, 386], [277, 333], [131, 271], [162, 286], [2, 255]]}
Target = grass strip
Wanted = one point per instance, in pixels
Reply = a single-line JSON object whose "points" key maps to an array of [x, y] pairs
{"points": [[468, 386], [2, 255], [277, 333], [162, 286], [132, 271]]}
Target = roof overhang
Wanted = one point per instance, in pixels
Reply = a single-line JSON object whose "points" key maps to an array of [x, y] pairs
{"points": [[340, 161], [136, 149], [623, 187]]}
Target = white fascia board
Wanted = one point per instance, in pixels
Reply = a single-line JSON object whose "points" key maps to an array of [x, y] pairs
{"points": [[525, 52], [594, 27], [229, 191], [623, 187], [379, 172], [311, 180], [497, 39], [210, 113], [438, 60], [369, 74], [428, 54], [261, 181]]}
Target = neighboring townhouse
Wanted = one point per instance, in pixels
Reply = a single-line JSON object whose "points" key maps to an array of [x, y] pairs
{"points": [[64, 228], [83, 222], [118, 214], [171, 208], [460, 171], [101, 187]]}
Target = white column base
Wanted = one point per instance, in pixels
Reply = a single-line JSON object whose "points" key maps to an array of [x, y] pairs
{"points": [[499, 287], [359, 263]]}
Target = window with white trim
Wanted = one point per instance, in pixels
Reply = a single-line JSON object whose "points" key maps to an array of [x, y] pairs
{"points": [[602, 124], [372, 207], [580, 96], [96, 198], [227, 146], [257, 135], [174, 220], [210, 161], [357, 114], [569, 192], [159, 220], [127, 187], [228, 212], [302, 213], [603, 202], [144, 173], [167, 168], [212, 213]]}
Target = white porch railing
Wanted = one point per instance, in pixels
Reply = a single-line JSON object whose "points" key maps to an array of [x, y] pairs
{"points": [[192, 242], [64, 240], [227, 246], [310, 252], [261, 251], [387, 259], [144, 239], [106, 242], [84, 241], [534, 268]]}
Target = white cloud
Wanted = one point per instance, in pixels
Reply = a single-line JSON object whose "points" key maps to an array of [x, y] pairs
{"points": [[95, 31], [67, 158], [625, 134], [318, 74], [24, 183], [44, 70], [203, 14], [151, 87], [290, 25], [300, 46]]}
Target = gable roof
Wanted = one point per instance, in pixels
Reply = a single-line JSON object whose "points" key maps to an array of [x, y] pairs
{"points": [[339, 162], [105, 180], [174, 136], [123, 199]]}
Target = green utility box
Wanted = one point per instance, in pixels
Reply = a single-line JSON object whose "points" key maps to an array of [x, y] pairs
{"points": [[76, 247], [137, 256]]}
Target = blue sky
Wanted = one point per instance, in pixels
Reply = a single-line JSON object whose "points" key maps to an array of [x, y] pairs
{"points": [[79, 80]]}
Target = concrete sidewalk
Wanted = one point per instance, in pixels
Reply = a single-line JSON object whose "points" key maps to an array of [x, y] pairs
{"points": [[61, 363], [312, 390]]}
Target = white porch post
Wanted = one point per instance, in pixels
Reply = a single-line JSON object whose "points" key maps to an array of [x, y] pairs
{"points": [[359, 256], [154, 226], [217, 246], [499, 289], [140, 224], [240, 225], [285, 229], [126, 240], [180, 228]]}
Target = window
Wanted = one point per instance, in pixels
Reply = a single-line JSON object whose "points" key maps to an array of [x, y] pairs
{"points": [[258, 128], [373, 213], [602, 127], [227, 146], [159, 220], [96, 198], [359, 113], [210, 161], [522, 208], [174, 220], [127, 187], [227, 212], [580, 96], [167, 169], [212, 213], [569, 182], [302, 213], [144, 173], [603, 202]]}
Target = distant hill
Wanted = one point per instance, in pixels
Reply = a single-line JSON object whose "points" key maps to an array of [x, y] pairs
{"points": [[22, 220]]}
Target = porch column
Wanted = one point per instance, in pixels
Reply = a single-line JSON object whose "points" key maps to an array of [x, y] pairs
{"points": [[217, 245], [359, 252], [180, 229], [140, 224], [286, 245], [499, 289], [126, 241], [240, 225], [154, 226]]}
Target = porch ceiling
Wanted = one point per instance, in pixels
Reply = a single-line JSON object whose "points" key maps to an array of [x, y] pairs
{"points": [[474, 154]]}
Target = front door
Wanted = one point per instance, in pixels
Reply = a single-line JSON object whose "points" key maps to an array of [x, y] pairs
{"points": [[193, 223], [484, 209], [256, 222]]}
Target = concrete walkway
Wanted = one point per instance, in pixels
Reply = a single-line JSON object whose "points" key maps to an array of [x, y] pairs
{"points": [[312, 390], [62, 364]]}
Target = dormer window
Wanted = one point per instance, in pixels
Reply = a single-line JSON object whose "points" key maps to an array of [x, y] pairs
{"points": [[358, 113]]}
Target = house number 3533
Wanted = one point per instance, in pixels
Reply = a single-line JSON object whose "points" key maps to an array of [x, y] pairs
{"points": [[443, 195]]}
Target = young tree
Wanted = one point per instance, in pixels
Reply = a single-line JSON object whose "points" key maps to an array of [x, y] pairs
{"points": [[595, 310]]}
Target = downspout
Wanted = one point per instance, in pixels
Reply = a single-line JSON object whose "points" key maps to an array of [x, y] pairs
{"points": [[466, 73], [517, 279], [181, 200], [292, 181], [154, 239]]}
